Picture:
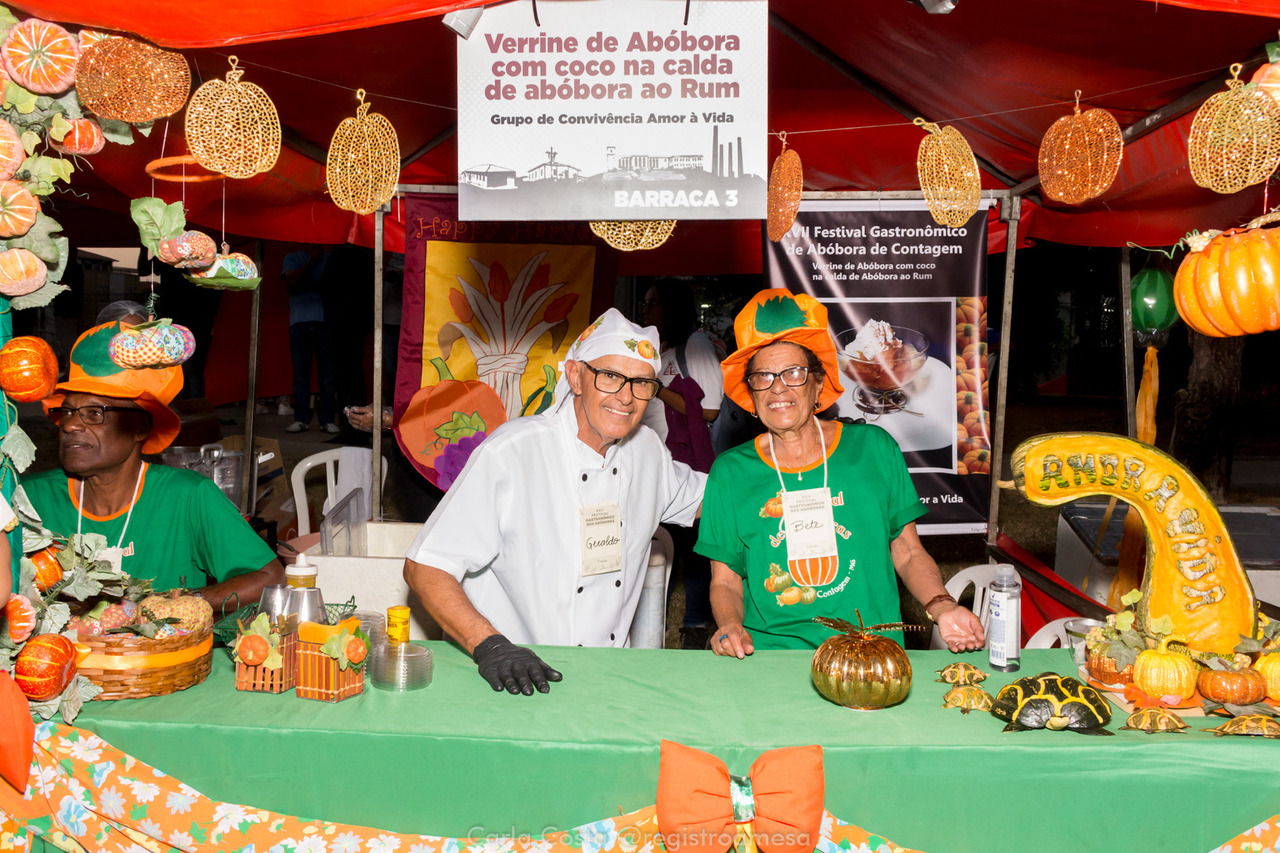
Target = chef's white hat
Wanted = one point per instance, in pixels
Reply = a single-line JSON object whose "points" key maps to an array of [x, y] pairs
{"points": [[610, 334]]}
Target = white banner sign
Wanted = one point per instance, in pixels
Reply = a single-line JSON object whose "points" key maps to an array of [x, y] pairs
{"points": [[614, 109]]}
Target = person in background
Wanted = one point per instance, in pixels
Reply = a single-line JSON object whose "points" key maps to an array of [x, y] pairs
{"points": [[814, 517], [309, 338], [688, 402], [544, 536], [171, 526]]}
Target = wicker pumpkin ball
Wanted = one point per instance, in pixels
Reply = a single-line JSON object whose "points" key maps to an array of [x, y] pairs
{"points": [[232, 126], [860, 669], [628, 236], [129, 80], [948, 174], [28, 369], [1080, 155], [363, 165], [786, 184], [1235, 138]]}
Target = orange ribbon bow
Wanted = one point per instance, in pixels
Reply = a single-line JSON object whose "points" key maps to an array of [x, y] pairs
{"points": [[702, 808]]}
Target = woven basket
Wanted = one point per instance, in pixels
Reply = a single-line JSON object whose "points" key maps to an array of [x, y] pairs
{"points": [[320, 678], [259, 679], [159, 666]]}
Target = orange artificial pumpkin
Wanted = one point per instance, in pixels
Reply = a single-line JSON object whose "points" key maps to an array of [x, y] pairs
{"points": [[84, 138], [18, 209], [20, 615], [1160, 672], [1102, 668], [12, 154], [859, 669], [28, 369], [21, 272], [1229, 283], [1269, 666], [253, 649], [1232, 686], [40, 56], [48, 569], [1268, 79], [45, 666]]}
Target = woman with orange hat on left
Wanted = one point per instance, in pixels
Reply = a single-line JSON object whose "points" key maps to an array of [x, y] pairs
{"points": [[169, 525]]}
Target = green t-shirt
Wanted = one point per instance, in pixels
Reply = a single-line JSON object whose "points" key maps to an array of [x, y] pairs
{"points": [[181, 525], [872, 499]]}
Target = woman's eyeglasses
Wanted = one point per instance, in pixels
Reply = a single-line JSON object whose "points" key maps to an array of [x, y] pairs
{"points": [[611, 383], [762, 380], [91, 415]]}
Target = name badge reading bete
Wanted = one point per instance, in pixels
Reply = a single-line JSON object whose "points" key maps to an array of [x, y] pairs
{"points": [[601, 526], [810, 524]]}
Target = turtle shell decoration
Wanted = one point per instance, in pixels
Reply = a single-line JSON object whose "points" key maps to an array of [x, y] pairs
{"points": [[229, 271], [967, 697], [961, 673], [859, 669], [1154, 720], [1256, 725], [161, 343], [1051, 701], [190, 250]]}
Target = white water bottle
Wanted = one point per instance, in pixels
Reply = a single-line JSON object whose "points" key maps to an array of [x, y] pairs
{"points": [[1004, 633]]}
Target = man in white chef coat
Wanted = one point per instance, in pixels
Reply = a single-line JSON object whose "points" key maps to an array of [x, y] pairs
{"points": [[544, 537]]}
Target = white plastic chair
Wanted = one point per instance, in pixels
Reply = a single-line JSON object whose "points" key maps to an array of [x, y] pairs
{"points": [[980, 578], [329, 459], [649, 626], [1051, 634]]}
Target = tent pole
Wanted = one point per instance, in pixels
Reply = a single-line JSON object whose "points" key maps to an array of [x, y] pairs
{"points": [[249, 488], [375, 489], [1002, 369], [1126, 339]]}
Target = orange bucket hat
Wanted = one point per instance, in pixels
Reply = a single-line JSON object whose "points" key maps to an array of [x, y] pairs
{"points": [[153, 388], [774, 316]]}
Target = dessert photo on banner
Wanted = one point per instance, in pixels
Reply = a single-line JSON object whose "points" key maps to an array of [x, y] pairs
{"points": [[898, 371]]}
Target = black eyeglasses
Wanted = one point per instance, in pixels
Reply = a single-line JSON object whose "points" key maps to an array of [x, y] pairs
{"points": [[91, 415], [762, 380], [611, 383]]}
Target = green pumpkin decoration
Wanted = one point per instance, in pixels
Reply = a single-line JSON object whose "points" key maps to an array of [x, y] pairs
{"points": [[1151, 297]]}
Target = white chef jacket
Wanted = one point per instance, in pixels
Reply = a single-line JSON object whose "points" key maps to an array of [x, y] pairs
{"points": [[704, 368], [508, 528]]}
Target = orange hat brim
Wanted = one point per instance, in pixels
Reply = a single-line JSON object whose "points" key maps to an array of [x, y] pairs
{"points": [[165, 423], [817, 340]]}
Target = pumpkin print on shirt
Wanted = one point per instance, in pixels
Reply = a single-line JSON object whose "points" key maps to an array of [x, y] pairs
{"points": [[798, 583]]}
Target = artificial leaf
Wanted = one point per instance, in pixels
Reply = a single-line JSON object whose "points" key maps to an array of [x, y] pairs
{"points": [[58, 128], [79, 585], [56, 269], [156, 220], [1162, 625], [68, 104], [1123, 656], [224, 281], [115, 131], [144, 127], [22, 507], [79, 691], [1124, 620], [18, 98], [40, 241], [37, 298], [1131, 597], [26, 573], [47, 708], [88, 545], [7, 20], [40, 172], [19, 447], [54, 618], [30, 139]]}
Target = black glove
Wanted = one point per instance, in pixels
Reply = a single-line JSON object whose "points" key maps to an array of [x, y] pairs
{"points": [[504, 664]]}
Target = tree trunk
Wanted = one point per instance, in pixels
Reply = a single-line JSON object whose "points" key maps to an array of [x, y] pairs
{"points": [[1203, 422]]}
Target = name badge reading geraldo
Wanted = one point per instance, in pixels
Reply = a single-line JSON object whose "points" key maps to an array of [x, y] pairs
{"points": [[601, 526], [810, 524]]}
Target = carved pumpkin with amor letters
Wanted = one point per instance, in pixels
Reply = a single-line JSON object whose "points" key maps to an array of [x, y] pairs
{"points": [[28, 369]]}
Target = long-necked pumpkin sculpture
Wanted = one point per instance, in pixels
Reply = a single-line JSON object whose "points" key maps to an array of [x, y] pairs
{"points": [[1193, 574]]}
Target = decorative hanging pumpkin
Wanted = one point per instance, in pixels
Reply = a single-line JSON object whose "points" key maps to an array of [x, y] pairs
{"points": [[12, 154], [786, 185], [159, 344], [629, 236], [189, 250], [20, 615], [363, 165], [1269, 666], [40, 56], [1229, 283], [1080, 155], [128, 80], [948, 174], [28, 369], [48, 569], [45, 666], [1160, 672], [233, 127], [1151, 298], [235, 264], [1235, 138], [18, 209], [1235, 686], [84, 138], [859, 669], [85, 38], [21, 272]]}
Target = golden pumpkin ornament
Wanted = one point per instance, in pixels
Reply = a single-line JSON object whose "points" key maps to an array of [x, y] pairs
{"points": [[1080, 155], [859, 669], [629, 236], [233, 127], [786, 183], [363, 165], [128, 80], [948, 175], [1235, 138]]}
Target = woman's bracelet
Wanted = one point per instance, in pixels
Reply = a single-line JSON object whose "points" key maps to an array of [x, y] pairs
{"points": [[942, 596]]}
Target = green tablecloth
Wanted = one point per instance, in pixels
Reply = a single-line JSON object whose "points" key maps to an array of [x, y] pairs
{"points": [[456, 759]]}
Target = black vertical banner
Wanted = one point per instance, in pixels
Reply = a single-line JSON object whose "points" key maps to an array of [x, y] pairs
{"points": [[907, 303]]}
